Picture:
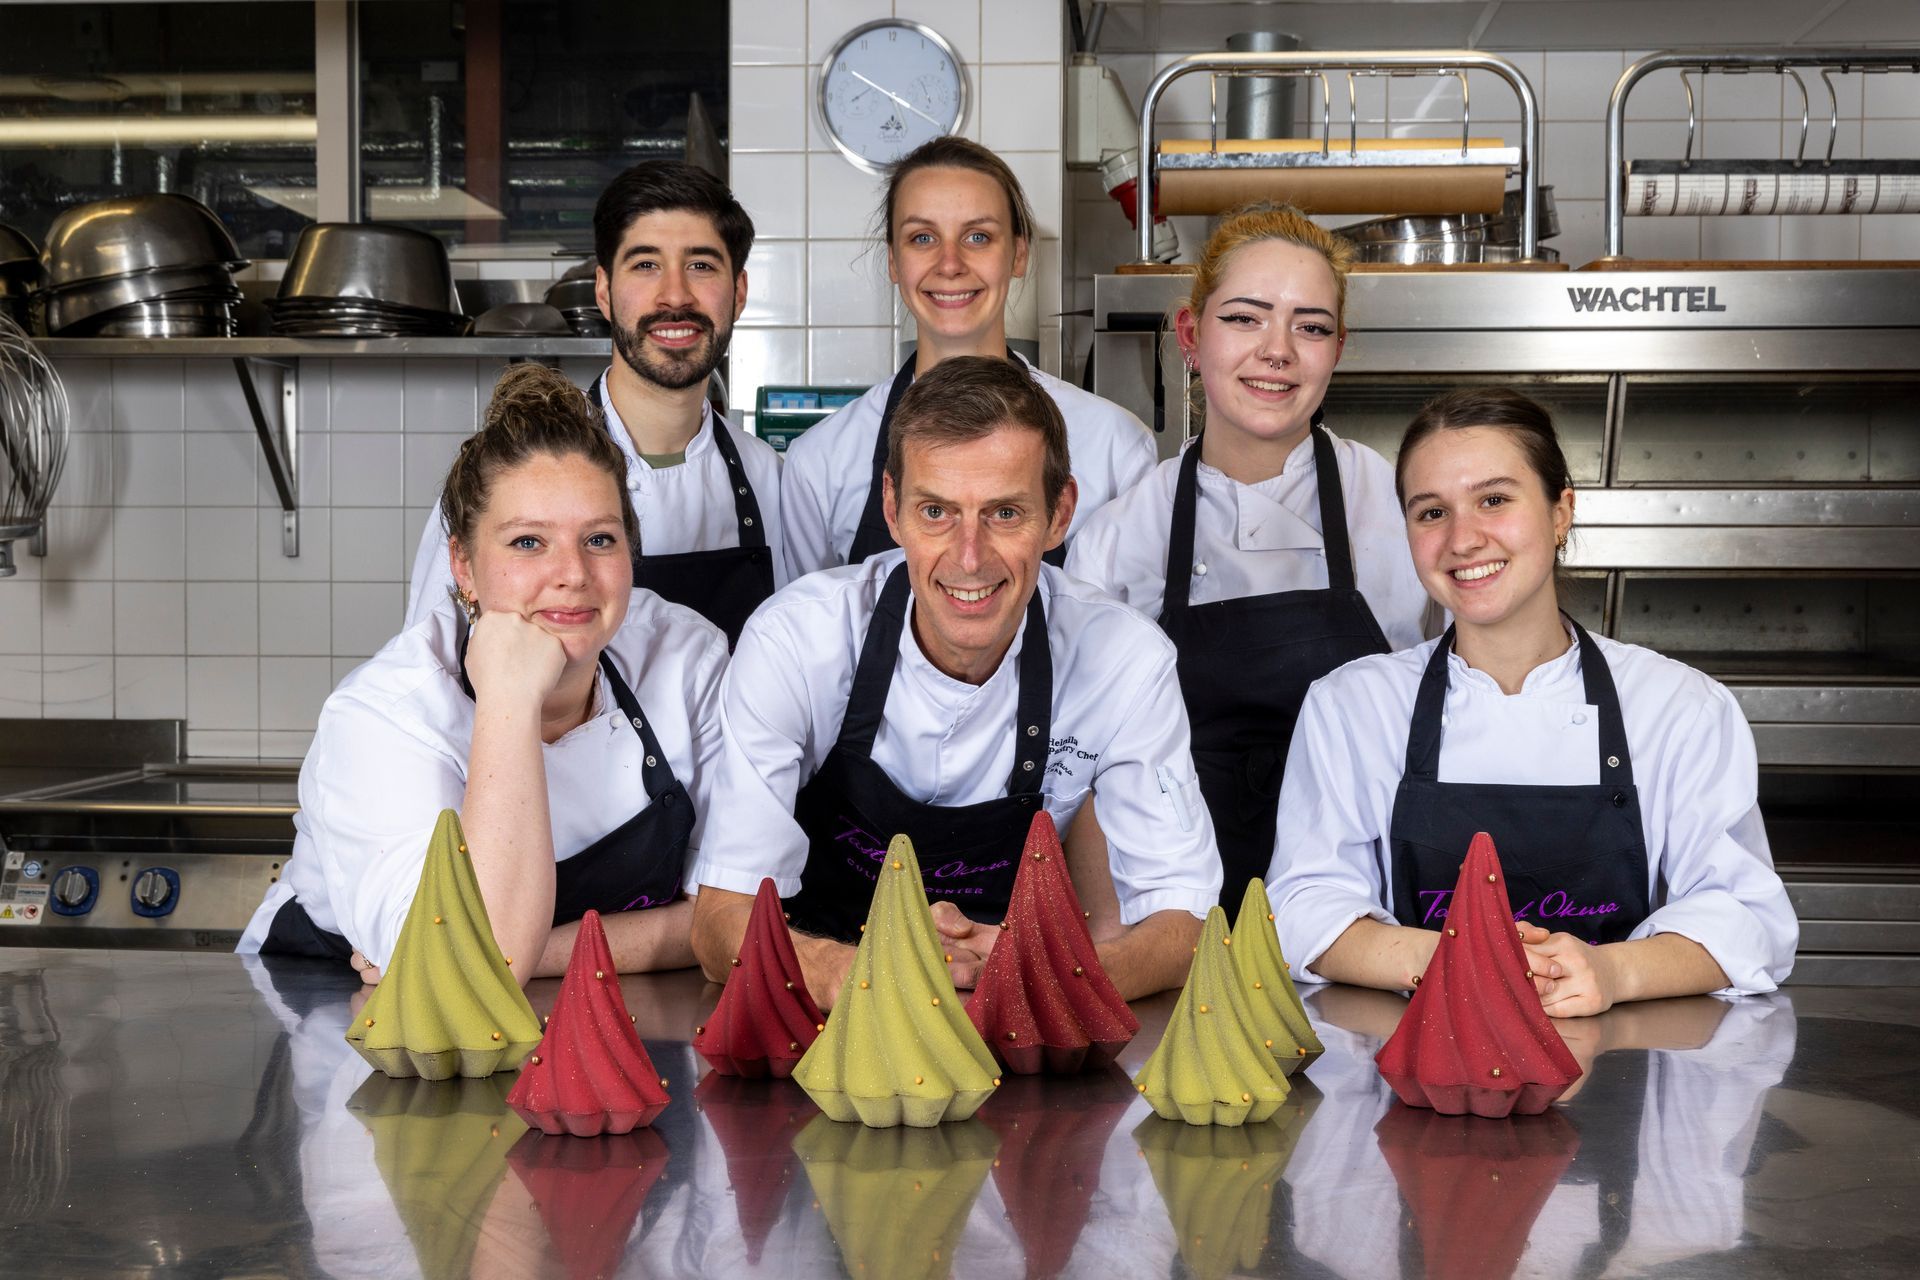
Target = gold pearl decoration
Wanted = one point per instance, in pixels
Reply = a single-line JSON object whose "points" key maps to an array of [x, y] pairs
{"points": [[535, 1060], [896, 865], [1258, 987], [936, 1002], [864, 984], [438, 920], [949, 957], [1496, 1073], [819, 1026], [496, 1035], [1246, 1097], [789, 986], [1452, 934], [1301, 1052], [1489, 877], [600, 974], [919, 1080], [663, 1082], [1013, 1035], [1269, 915], [1269, 1044], [996, 1084], [793, 1046], [1203, 1008], [1142, 1088], [700, 1031], [736, 962], [369, 1021], [1078, 972], [1226, 942], [1529, 973], [463, 848]]}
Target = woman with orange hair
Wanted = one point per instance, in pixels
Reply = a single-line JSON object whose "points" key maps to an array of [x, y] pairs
{"points": [[1271, 551]]}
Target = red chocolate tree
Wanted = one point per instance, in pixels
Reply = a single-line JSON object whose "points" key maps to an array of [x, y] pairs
{"points": [[1474, 1038], [590, 1073], [765, 1020], [589, 1193], [1044, 1003], [1475, 1189], [755, 1125]]}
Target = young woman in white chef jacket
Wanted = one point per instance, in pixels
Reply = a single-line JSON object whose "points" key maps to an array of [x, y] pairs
{"points": [[1619, 786], [1272, 551], [958, 232], [571, 718]]}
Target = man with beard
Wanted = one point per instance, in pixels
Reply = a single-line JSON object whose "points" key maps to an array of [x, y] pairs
{"points": [[671, 246]]}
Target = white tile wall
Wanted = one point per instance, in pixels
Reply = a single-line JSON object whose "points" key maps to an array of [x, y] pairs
{"points": [[165, 593], [832, 320]]}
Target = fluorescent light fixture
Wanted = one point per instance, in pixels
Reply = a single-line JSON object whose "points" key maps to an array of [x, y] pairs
{"points": [[169, 130], [392, 204]]}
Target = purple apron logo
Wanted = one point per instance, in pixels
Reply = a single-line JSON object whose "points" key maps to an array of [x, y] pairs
{"points": [[870, 853], [1558, 905]]}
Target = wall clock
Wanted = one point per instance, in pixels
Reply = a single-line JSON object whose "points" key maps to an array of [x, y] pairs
{"points": [[887, 87]]}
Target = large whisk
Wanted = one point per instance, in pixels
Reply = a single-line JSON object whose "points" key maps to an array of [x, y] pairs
{"points": [[33, 438]]}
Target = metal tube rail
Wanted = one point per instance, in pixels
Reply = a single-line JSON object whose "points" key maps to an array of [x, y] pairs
{"points": [[1778, 61], [1305, 63]]}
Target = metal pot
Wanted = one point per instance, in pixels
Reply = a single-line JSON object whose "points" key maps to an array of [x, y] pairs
{"points": [[1500, 228], [137, 234], [1447, 252], [371, 261]]}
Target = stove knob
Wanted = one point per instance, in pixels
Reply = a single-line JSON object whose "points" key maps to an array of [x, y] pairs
{"points": [[152, 890], [70, 888]]}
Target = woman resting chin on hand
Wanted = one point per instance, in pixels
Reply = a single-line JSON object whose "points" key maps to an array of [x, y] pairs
{"points": [[1618, 786], [571, 719]]}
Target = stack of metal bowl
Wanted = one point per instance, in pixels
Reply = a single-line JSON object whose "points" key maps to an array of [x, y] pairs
{"points": [[152, 266], [1454, 239], [572, 296], [20, 275], [366, 280]]}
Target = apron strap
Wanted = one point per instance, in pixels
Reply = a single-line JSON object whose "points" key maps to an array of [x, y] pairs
{"points": [[871, 536], [1186, 501], [1423, 734], [746, 507], [1333, 510], [873, 676], [656, 773]]}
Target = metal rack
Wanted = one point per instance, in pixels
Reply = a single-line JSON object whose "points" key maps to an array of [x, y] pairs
{"points": [[1781, 62], [1523, 160]]}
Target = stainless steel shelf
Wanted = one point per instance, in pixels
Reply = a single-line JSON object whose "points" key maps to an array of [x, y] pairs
{"points": [[318, 348]]}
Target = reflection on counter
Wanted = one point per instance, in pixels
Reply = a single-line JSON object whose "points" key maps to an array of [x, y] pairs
{"points": [[1759, 1136]]}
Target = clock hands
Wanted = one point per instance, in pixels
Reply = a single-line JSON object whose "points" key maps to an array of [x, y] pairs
{"points": [[897, 98]]}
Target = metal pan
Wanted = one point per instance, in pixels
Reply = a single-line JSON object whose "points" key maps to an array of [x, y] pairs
{"points": [[1500, 228], [1447, 253]]}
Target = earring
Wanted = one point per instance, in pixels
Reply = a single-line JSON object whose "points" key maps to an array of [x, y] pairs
{"points": [[469, 605], [1193, 365]]}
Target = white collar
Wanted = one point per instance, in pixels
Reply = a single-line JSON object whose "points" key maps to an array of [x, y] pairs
{"points": [[702, 437], [1549, 677]]}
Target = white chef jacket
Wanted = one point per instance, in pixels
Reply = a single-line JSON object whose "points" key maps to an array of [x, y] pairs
{"points": [[390, 752], [1710, 873], [686, 507], [829, 468], [1259, 539], [1118, 722]]}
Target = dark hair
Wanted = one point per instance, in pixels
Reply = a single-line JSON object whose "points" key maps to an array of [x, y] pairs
{"points": [[1502, 407], [953, 152], [535, 412], [655, 186], [969, 397]]}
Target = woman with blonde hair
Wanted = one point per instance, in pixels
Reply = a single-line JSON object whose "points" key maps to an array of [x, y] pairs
{"points": [[570, 717], [1271, 551]]}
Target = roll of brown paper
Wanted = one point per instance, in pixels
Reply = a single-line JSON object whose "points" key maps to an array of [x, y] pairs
{"points": [[1405, 189]]}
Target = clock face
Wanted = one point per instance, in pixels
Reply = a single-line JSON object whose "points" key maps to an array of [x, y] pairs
{"points": [[886, 88]]}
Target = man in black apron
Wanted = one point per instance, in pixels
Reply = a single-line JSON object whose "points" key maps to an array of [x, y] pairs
{"points": [[1245, 666], [977, 488], [671, 244]]}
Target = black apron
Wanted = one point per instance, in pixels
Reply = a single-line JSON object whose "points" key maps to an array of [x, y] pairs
{"points": [[1575, 857], [723, 585], [850, 809], [635, 866], [1245, 666], [872, 536]]}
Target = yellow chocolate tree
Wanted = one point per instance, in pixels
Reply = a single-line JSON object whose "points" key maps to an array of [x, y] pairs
{"points": [[1266, 980], [898, 1048], [441, 1149], [447, 1004], [1210, 1067], [896, 1199]]}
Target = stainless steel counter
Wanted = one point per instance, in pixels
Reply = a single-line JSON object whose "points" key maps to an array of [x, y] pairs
{"points": [[183, 1114]]}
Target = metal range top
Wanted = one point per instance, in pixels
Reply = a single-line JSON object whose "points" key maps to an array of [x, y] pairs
{"points": [[168, 855]]}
